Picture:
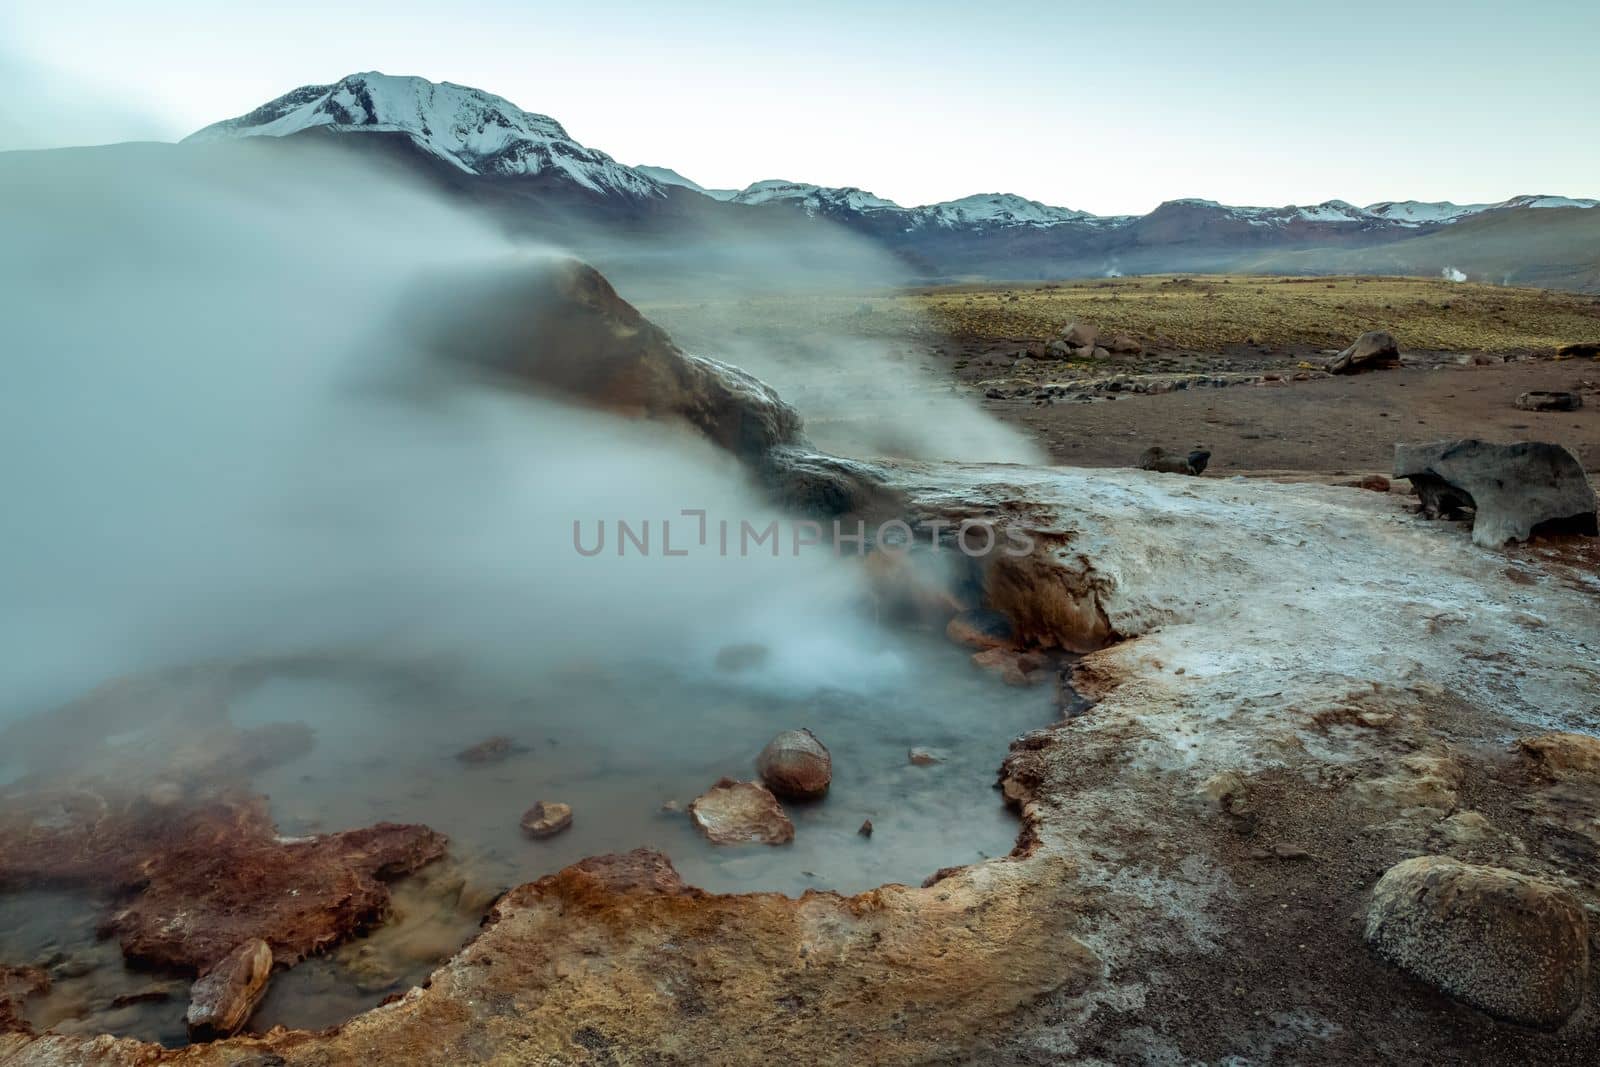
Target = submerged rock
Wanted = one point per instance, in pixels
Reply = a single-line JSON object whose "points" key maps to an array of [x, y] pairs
{"points": [[734, 658], [546, 818], [489, 750], [17, 984], [1371, 351], [221, 1001], [1013, 667], [1498, 940], [1513, 489], [923, 757], [741, 813], [795, 765], [866, 828]]}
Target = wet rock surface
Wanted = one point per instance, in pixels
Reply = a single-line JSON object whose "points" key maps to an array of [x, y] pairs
{"points": [[546, 819], [1513, 489], [1545, 400], [795, 766], [221, 999], [741, 813], [202, 879], [1499, 940]]}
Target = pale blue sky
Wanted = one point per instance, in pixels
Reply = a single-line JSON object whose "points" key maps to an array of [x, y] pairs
{"points": [[1102, 107]]}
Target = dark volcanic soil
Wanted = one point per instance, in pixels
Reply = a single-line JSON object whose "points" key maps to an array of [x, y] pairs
{"points": [[1330, 425]]}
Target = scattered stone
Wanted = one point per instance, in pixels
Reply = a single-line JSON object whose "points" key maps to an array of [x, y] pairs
{"points": [[1375, 483], [1498, 940], [1158, 459], [923, 757], [1101, 354], [1122, 344], [671, 807], [490, 750], [546, 818], [1371, 351], [145, 996], [741, 813], [1079, 335], [1579, 350], [981, 628], [221, 1001], [1228, 792], [795, 765], [1513, 489], [1543, 400], [741, 657], [866, 828]]}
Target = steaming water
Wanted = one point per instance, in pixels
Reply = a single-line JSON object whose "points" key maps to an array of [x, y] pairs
{"points": [[617, 739], [218, 448]]}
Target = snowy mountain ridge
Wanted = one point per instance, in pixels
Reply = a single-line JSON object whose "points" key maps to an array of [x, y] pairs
{"points": [[478, 132], [483, 134]]}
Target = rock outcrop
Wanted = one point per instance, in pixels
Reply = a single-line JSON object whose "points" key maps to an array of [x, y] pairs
{"points": [[1373, 350], [221, 999], [796, 766], [558, 326], [741, 813], [1498, 940], [1513, 490]]}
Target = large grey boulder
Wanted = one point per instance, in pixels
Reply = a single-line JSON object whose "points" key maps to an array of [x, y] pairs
{"points": [[1513, 489], [1373, 349], [1512, 945]]}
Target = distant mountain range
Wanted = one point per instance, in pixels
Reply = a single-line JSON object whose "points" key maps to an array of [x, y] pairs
{"points": [[521, 157]]}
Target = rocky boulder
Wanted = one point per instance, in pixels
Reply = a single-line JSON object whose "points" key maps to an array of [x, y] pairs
{"points": [[1501, 941], [741, 813], [1158, 459], [558, 326], [1079, 335], [1514, 490], [981, 628], [221, 1001], [1544, 400], [795, 765], [1371, 351], [546, 819]]}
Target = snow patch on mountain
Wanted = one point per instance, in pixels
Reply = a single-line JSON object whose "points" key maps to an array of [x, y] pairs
{"points": [[813, 199], [668, 176], [996, 209], [478, 132], [1423, 212]]}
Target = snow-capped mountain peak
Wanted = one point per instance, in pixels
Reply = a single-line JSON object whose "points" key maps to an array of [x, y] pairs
{"points": [[813, 198], [668, 176], [997, 209], [476, 131]]}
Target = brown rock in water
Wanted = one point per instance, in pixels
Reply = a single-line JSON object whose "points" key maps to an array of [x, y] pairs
{"points": [[923, 757], [980, 628], [1372, 350], [866, 828], [795, 765], [490, 750], [1013, 667], [199, 880], [741, 813], [17, 984], [221, 1000], [546, 818], [1546, 400], [1498, 940]]}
